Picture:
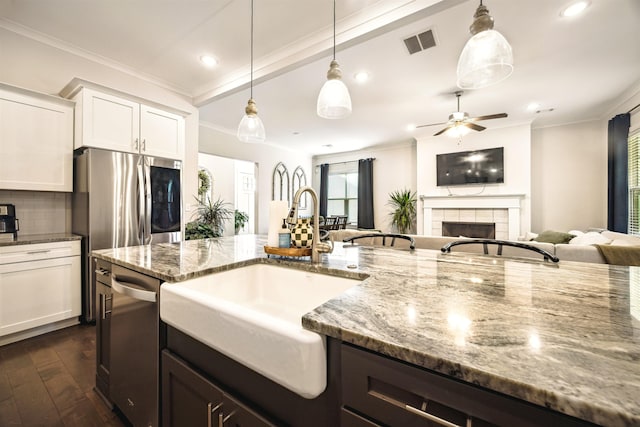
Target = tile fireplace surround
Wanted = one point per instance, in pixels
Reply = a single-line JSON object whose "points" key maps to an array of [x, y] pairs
{"points": [[503, 210]]}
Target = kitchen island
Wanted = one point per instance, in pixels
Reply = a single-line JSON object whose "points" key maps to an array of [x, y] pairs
{"points": [[562, 336]]}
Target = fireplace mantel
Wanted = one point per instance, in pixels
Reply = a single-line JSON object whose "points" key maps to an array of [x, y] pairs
{"points": [[510, 202]]}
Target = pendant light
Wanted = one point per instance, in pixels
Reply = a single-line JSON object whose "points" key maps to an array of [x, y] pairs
{"points": [[251, 128], [487, 57], [334, 101]]}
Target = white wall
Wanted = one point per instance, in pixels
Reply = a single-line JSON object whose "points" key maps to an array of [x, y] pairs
{"points": [[516, 141], [267, 156], [569, 176], [394, 169], [222, 185], [37, 66]]}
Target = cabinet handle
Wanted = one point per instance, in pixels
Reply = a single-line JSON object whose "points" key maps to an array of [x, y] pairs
{"points": [[435, 419], [103, 305], [135, 144], [211, 410], [44, 251], [144, 145], [222, 419]]}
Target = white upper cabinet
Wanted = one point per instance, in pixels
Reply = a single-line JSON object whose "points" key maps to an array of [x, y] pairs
{"points": [[106, 121], [161, 133], [36, 141], [115, 123]]}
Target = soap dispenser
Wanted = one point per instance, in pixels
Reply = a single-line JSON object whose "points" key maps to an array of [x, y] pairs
{"points": [[284, 237]]}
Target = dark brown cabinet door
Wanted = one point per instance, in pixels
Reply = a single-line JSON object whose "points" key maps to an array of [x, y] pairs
{"points": [[188, 399], [103, 327], [191, 400]]}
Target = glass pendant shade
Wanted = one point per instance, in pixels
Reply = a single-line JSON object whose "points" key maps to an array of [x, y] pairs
{"points": [[485, 60], [334, 101], [251, 128]]}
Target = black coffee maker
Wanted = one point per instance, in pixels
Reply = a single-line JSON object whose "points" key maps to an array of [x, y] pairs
{"points": [[8, 222]]}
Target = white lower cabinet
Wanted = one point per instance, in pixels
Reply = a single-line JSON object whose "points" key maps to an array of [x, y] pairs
{"points": [[39, 285]]}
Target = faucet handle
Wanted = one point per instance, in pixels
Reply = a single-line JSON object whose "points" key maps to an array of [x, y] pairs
{"points": [[324, 247]]}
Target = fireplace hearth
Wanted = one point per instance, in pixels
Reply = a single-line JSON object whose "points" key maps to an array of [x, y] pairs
{"points": [[481, 230]]}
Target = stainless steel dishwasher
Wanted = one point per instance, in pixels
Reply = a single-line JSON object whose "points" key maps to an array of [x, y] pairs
{"points": [[135, 346]]}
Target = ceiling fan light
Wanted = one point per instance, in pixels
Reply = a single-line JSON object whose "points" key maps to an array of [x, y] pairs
{"points": [[334, 101], [486, 59], [251, 128], [457, 131]]}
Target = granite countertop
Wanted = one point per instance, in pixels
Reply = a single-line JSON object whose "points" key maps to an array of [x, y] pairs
{"points": [[565, 336], [30, 239]]}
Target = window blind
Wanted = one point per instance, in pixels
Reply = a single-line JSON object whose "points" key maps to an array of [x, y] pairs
{"points": [[634, 183]]}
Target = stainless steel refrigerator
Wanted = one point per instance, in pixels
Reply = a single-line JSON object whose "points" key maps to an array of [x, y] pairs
{"points": [[122, 199]]}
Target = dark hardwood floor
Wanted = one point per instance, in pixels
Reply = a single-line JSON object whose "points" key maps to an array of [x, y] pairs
{"points": [[48, 381]]}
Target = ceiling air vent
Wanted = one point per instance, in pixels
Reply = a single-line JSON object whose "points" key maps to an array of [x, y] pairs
{"points": [[422, 41]]}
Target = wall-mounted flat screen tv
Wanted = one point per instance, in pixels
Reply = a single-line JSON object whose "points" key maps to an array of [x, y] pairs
{"points": [[471, 167]]}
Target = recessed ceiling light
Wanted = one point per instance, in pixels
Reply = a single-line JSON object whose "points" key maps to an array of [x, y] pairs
{"points": [[208, 61], [574, 9], [411, 127], [533, 106], [362, 76]]}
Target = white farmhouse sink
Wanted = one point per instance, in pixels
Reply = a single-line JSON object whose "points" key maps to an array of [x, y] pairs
{"points": [[253, 315]]}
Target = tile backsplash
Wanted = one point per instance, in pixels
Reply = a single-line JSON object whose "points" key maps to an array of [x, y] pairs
{"points": [[40, 211]]}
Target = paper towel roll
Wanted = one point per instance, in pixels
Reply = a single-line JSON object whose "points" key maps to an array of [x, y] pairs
{"points": [[278, 210]]}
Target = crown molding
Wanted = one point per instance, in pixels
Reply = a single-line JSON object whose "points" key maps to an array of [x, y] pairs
{"points": [[37, 36]]}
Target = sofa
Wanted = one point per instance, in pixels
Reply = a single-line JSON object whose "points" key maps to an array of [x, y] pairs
{"points": [[580, 246]]}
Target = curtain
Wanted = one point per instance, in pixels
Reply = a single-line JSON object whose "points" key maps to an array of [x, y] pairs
{"points": [[365, 193], [618, 197], [324, 188]]}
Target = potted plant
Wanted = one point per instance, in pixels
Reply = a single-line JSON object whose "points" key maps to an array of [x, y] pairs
{"points": [[403, 216], [241, 219], [211, 219]]}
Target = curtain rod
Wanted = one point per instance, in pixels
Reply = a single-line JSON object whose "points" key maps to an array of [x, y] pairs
{"points": [[633, 109], [345, 163]]}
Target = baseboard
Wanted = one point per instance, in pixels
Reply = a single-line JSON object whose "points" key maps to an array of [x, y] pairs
{"points": [[29, 333]]}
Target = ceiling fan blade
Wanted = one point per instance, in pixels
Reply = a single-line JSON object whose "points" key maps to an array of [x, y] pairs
{"points": [[431, 124], [489, 117], [443, 130], [474, 126]]}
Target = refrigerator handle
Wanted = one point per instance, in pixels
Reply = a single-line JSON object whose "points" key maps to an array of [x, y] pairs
{"points": [[148, 212], [141, 204]]}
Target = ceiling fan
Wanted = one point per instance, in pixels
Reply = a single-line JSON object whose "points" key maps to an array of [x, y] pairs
{"points": [[459, 122]]}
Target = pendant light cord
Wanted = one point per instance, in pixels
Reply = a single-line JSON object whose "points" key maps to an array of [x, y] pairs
{"points": [[251, 83], [334, 30]]}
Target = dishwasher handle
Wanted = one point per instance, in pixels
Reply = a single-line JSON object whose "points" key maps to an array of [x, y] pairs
{"points": [[131, 291]]}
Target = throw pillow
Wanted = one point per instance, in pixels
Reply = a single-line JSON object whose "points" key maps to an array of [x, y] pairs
{"points": [[613, 235], [590, 238], [555, 237]]}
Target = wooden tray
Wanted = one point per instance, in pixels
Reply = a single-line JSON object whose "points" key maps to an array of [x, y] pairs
{"points": [[272, 250]]}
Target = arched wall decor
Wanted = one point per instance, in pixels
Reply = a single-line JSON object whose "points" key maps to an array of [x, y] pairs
{"points": [[280, 185], [299, 179]]}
